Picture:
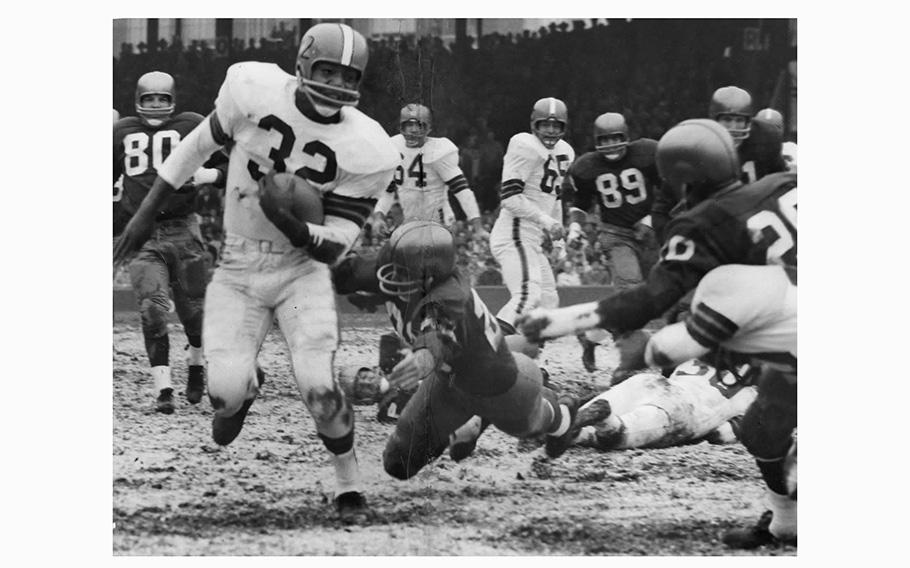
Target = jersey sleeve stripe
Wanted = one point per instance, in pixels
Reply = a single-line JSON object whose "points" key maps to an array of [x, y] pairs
{"points": [[709, 327], [511, 187], [354, 209], [457, 183], [218, 134]]}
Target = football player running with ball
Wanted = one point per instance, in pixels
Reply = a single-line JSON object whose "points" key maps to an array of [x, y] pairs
{"points": [[275, 266], [457, 357], [172, 262], [427, 175], [533, 168]]}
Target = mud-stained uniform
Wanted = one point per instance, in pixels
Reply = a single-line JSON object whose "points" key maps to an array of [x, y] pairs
{"points": [[262, 276], [424, 180], [172, 262], [759, 155], [530, 199], [475, 372], [695, 403], [623, 191]]}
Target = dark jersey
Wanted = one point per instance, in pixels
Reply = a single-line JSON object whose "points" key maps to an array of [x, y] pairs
{"points": [[623, 189], [759, 155], [451, 321], [140, 149], [747, 224]]}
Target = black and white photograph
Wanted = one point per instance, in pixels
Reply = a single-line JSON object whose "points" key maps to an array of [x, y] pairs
{"points": [[519, 289], [455, 286]]}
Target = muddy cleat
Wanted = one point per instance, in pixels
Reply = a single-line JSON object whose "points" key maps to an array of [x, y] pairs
{"points": [[352, 507], [756, 535], [587, 354], [463, 441], [195, 384], [165, 401], [595, 412], [226, 429]]}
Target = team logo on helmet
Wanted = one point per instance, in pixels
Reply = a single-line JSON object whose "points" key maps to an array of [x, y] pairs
{"points": [[415, 124], [331, 43], [549, 119], [697, 158], [611, 135], [732, 107], [418, 255], [155, 83]]}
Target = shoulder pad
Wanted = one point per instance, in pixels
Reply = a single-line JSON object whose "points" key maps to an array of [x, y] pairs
{"points": [[645, 145], [248, 81], [564, 147], [398, 141], [450, 295], [192, 117], [365, 147], [584, 167], [527, 145], [437, 148]]}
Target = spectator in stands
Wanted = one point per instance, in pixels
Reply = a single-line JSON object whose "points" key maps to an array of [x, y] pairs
{"points": [[597, 275], [568, 275]]}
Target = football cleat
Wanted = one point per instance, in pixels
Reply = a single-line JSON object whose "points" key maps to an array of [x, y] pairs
{"points": [[756, 535], [165, 402], [226, 429], [588, 358], [463, 441], [352, 507], [195, 384], [557, 445]]}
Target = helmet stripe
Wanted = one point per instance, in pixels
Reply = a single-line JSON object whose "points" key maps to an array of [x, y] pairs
{"points": [[347, 49], [552, 106]]}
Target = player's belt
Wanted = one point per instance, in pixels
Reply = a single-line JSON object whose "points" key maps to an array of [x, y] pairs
{"points": [[263, 246]]}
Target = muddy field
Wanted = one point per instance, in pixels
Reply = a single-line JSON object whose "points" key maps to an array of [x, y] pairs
{"points": [[269, 493]]}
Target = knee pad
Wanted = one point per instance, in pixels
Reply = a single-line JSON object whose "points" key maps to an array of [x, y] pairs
{"points": [[229, 384], [154, 310]]}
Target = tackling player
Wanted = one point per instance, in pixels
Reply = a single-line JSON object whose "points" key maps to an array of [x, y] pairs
{"points": [[427, 175], [726, 222], [619, 179], [275, 266], [758, 146], [172, 263], [748, 313], [457, 358], [533, 168]]}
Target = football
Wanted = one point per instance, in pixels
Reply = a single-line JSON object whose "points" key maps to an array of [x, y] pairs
{"points": [[307, 200]]}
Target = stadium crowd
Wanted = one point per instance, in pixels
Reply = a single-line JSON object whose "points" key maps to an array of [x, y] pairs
{"points": [[480, 92]]}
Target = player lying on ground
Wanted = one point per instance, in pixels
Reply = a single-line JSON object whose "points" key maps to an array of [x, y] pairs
{"points": [[695, 403], [457, 357]]}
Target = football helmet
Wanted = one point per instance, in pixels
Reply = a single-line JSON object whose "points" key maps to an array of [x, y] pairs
{"points": [[732, 102], [332, 43], [415, 124], [418, 255], [697, 158], [549, 119], [611, 125], [155, 83], [772, 117]]}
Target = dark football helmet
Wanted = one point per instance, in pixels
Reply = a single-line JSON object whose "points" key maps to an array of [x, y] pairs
{"points": [[611, 135], [418, 255], [728, 104], [415, 124], [155, 83], [549, 119], [332, 43], [697, 158], [772, 117]]}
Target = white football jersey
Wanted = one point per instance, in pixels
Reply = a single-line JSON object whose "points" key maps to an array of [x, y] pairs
{"points": [[748, 310], [421, 179], [541, 171], [351, 156]]}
